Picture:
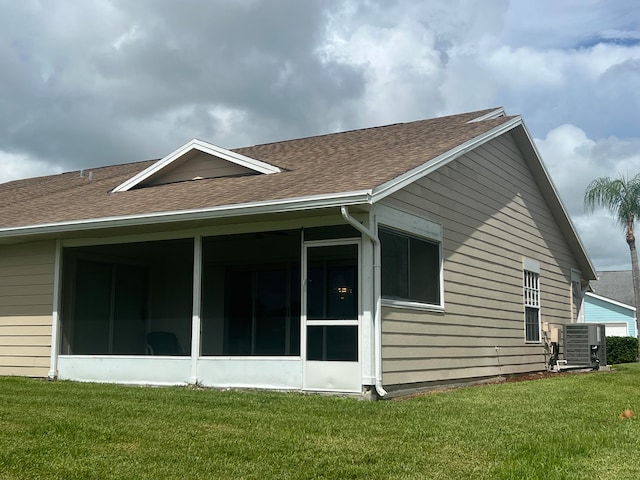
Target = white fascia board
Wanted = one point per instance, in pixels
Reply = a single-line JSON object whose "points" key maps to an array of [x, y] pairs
{"points": [[499, 112], [557, 198], [611, 301], [205, 147], [429, 166], [242, 160], [362, 197]]}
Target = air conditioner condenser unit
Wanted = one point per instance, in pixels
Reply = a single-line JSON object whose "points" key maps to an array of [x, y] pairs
{"points": [[584, 345]]}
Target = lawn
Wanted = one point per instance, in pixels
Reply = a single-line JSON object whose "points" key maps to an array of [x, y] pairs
{"points": [[562, 427]]}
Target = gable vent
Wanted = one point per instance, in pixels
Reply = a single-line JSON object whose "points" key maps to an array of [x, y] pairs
{"points": [[197, 160]]}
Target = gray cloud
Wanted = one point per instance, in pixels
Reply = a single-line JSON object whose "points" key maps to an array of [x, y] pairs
{"points": [[88, 83]]}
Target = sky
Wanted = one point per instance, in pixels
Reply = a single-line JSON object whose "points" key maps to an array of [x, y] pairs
{"points": [[90, 83]]}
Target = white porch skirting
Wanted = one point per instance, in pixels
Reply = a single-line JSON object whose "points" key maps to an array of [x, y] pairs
{"points": [[264, 372], [140, 370], [241, 372]]}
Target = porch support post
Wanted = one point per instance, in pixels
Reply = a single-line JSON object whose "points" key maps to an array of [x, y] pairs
{"points": [[195, 319], [55, 318]]}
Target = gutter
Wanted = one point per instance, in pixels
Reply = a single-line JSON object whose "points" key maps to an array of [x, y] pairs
{"points": [[377, 279]]}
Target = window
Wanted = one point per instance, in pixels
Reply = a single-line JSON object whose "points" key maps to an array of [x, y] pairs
{"points": [[532, 306], [410, 267]]}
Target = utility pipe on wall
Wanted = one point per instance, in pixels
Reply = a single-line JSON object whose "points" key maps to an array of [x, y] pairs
{"points": [[377, 311]]}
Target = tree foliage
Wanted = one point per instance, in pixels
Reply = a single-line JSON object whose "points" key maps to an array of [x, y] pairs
{"points": [[621, 197]]}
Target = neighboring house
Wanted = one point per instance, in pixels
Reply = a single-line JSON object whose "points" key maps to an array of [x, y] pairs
{"points": [[612, 302], [378, 259]]}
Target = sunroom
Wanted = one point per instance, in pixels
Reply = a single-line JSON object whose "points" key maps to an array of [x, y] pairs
{"points": [[292, 308], [226, 310]]}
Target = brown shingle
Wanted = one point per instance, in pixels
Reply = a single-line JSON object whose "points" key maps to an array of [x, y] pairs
{"points": [[329, 164]]}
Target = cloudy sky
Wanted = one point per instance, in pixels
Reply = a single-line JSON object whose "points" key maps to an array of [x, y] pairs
{"points": [[96, 82]]}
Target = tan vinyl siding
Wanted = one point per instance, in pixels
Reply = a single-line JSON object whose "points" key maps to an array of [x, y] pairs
{"points": [[26, 303], [493, 215]]}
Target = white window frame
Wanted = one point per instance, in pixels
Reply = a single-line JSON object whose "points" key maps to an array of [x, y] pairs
{"points": [[531, 295], [422, 229]]}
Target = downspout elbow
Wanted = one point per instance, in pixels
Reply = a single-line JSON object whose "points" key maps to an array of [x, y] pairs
{"points": [[377, 315]]}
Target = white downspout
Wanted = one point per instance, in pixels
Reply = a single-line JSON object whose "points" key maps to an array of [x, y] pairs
{"points": [[377, 279]]}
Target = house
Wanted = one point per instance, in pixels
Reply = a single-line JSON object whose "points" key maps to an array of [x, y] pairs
{"points": [[612, 303], [373, 260]]}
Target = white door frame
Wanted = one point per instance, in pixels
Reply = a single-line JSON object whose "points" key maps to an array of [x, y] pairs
{"points": [[331, 375]]}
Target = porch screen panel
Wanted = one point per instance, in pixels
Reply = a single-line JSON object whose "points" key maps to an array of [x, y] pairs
{"points": [[92, 308], [238, 311], [271, 311], [130, 310], [251, 294], [128, 299]]}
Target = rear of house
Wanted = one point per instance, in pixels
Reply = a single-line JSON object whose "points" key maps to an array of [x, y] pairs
{"points": [[368, 261]]}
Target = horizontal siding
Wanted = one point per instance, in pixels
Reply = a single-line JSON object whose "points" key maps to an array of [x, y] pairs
{"points": [[29, 350], [26, 330], [26, 302], [24, 361], [24, 371], [439, 363], [599, 311], [493, 215], [25, 320], [457, 374], [30, 340], [14, 290], [451, 341], [497, 330], [437, 352]]}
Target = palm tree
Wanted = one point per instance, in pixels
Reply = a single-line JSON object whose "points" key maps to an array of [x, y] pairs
{"points": [[621, 197]]}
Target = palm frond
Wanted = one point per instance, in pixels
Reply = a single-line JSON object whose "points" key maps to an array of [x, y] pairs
{"points": [[620, 196]]}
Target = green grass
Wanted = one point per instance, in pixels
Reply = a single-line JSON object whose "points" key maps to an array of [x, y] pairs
{"points": [[562, 427]]}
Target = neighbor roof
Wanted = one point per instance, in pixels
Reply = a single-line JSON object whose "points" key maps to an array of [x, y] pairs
{"points": [[348, 168], [616, 285]]}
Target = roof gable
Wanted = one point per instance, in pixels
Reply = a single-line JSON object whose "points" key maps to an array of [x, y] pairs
{"points": [[196, 160]]}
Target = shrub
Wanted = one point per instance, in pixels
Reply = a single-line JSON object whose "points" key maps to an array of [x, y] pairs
{"points": [[621, 350]]}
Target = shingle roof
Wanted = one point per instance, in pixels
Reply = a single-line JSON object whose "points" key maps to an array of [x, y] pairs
{"points": [[616, 285], [323, 165]]}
